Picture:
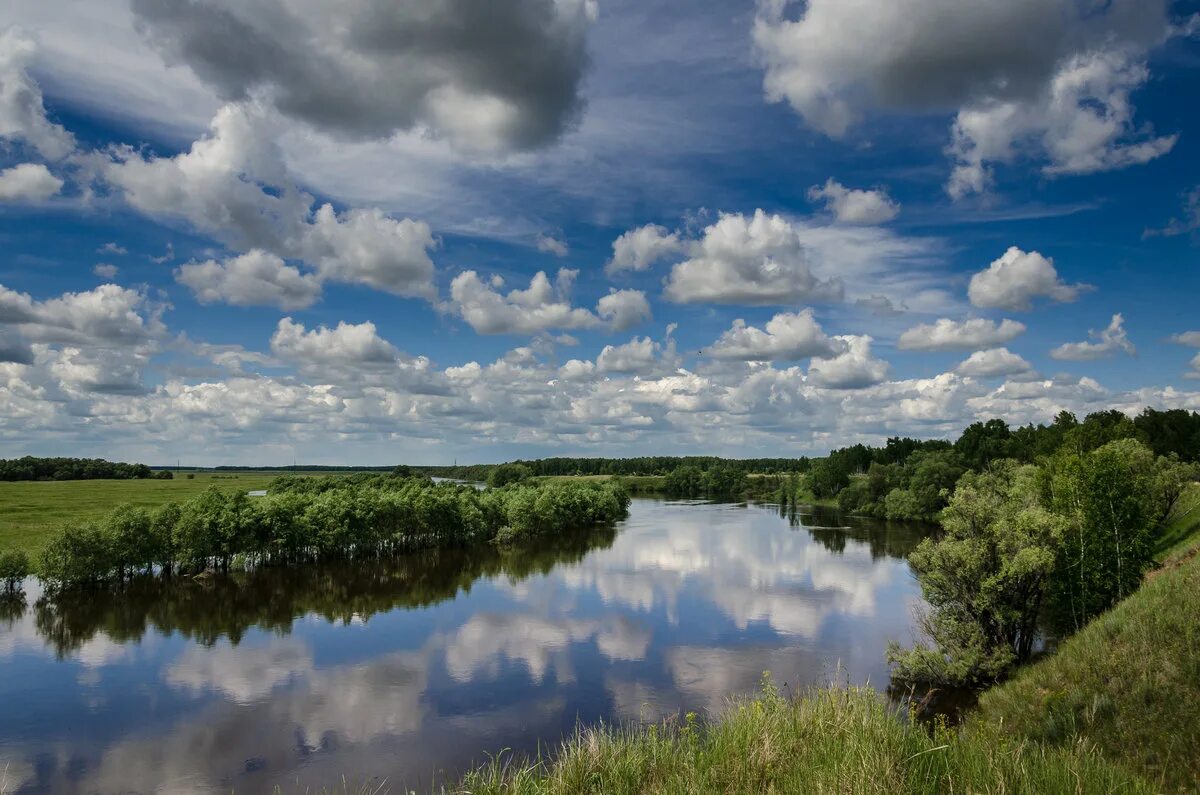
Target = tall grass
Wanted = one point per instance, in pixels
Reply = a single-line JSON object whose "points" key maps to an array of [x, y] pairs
{"points": [[1128, 683], [826, 741]]}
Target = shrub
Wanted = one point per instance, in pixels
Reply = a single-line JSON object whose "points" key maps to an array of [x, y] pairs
{"points": [[14, 567]]}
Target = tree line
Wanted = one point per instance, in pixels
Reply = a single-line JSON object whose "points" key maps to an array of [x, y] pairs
{"points": [[320, 518], [32, 468], [912, 479]]}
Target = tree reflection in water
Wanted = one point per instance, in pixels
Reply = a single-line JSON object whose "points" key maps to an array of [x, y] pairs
{"points": [[273, 598]]}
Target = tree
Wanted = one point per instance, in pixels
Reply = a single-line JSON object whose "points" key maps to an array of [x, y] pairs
{"points": [[827, 477], [984, 580], [1114, 500], [14, 567], [507, 474]]}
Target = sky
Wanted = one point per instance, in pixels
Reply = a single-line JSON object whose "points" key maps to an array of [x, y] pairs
{"points": [[469, 230]]}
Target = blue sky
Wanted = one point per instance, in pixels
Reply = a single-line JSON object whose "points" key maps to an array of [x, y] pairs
{"points": [[765, 229]]}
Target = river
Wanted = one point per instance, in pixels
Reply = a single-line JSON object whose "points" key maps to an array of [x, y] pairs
{"points": [[415, 669]]}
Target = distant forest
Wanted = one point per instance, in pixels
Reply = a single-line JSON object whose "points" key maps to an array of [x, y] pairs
{"points": [[30, 468], [1173, 432]]}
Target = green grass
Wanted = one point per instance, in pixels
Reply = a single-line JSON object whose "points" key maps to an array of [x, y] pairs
{"points": [[31, 512], [827, 741], [1129, 683], [1182, 532]]}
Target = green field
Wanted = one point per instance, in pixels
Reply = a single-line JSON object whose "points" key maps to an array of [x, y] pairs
{"points": [[31, 512]]}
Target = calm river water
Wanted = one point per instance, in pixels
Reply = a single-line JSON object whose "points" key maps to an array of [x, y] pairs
{"points": [[415, 669]]}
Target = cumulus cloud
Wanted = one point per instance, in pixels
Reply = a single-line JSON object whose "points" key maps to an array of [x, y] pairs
{"points": [[1016, 278], [787, 337], [624, 309], [22, 110], [856, 368], [108, 314], [1108, 342], [952, 335], [365, 246], [853, 206], [993, 363], [233, 185], [112, 248], [347, 345], [548, 244], [106, 270], [1189, 221], [498, 75], [28, 182], [256, 278], [759, 260], [1050, 77], [638, 249], [879, 305], [542, 306], [641, 356]]}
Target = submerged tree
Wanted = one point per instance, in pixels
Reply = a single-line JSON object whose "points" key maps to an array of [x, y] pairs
{"points": [[984, 580]]}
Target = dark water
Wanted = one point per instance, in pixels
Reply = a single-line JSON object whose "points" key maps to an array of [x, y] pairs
{"points": [[415, 669]]}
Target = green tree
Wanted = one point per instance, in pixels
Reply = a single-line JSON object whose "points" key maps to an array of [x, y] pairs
{"points": [[506, 474], [827, 477], [14, 567], [1114, 500], [984, 580]]}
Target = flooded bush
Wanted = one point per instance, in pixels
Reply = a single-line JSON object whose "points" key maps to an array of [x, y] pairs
{"points": [[14, 567], [327, 518]]}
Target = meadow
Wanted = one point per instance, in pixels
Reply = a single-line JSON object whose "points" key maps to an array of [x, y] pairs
{"points": [[32, 512]]}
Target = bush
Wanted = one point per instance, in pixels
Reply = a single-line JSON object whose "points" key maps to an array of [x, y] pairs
{"points": [[14, 567], [507, 474]]}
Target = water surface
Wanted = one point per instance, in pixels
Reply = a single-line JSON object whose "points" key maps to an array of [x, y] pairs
{"points": [[417, 668]]}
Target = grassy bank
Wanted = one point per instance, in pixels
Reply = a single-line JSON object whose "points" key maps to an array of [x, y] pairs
{"points": [[1129, 683], [31, 512], [827, 741]]}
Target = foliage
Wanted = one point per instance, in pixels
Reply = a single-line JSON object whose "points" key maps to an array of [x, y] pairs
{"points": [[1114, 499], [825, 741], [320, 518], [984, 580], [506, 474], [826, 477], [14, 567], [715, 483], [31, 468]]}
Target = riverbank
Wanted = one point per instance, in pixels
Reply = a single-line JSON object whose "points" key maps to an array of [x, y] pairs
{"points": [[832, 740]]}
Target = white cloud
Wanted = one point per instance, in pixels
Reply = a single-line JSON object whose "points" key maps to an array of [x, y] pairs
{"points": [[852, 206], [112, 248], [638, 249], [22, 111], [1194, 365], [29, 182], [787, 337], [951, 335], [1109, 342], [761, 260], [1083, 121], [255, 278], [106, 315], [347, 345], [993, 363], [1016, 278], [106, 270], [856, 368], [641, 355], [233, 185], [364, 246], [548, 244], [540, 307], [624, 309], [1049, 77], [1191, 338]]}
